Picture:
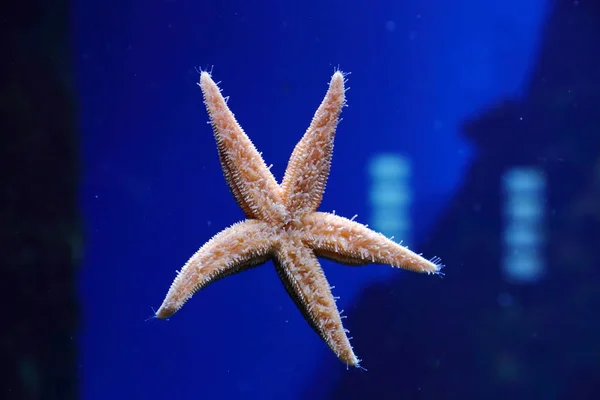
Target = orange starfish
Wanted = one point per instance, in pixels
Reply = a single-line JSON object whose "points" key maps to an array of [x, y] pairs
{"points": [[283, 223]]}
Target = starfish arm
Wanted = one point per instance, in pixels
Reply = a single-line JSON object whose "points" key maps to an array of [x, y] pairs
{"points": [[250, 180], [307, 171], [306, 284], [349, 242], [243, 245]]}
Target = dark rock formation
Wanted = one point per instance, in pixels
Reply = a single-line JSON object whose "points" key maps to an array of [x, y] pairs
{"points": [[39, 234]]}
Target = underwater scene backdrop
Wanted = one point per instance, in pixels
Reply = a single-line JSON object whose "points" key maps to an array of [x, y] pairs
{"points": [[471, 133]]}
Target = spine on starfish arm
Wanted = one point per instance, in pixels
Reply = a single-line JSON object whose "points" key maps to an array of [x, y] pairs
{"points": [[243, 245], [306, 175], [248, 177]]}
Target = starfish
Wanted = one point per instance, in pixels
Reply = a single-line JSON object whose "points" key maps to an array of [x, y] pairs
{"points": [[283, 223]]}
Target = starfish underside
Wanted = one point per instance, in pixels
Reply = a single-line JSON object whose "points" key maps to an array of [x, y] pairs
{"points": [[283, 223]]}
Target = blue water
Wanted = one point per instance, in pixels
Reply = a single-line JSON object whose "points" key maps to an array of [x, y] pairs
{"points": [[153, 190]]}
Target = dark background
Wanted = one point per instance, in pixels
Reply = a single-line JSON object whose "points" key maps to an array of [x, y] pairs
{"points": [[110, 181]]}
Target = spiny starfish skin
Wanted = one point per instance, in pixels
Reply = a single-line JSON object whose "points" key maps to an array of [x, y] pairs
{"points": [[283, 223]]}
